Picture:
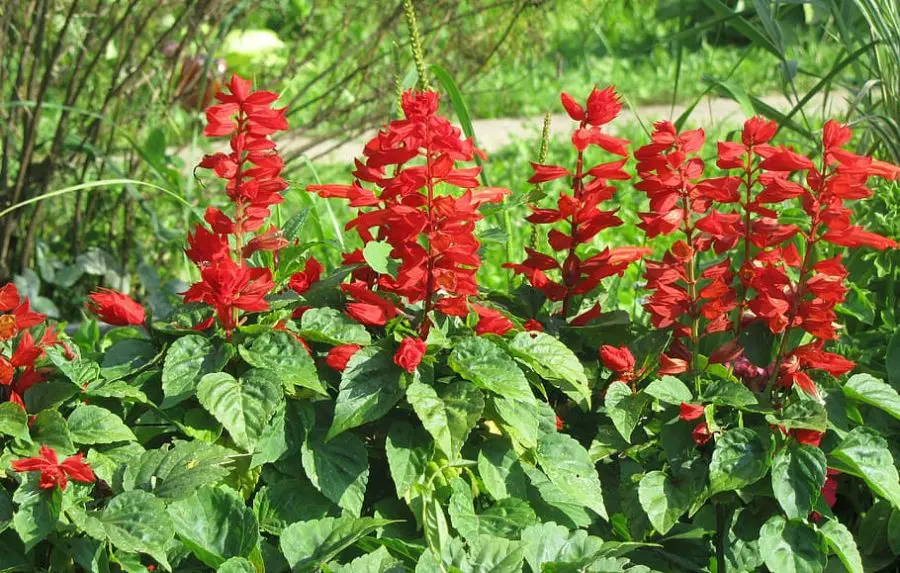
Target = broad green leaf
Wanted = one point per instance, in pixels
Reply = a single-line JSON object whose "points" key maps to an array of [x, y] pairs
{"points": [[243, 406], [49, 427], [338, 468], [865, 454], [408, 453], [288, 500], [607, 442], [281, 353], [742, 542], [331, 326], [215, 525], [725, 393], [308, 545], [487, 365], [448, 417], [624, 408], [14, 421], [177, 471], [38, 512], [549, 542], [188, 359], [496, 555], [893, 532], [872, 391], [802, 415], [236, 565], [370, 386], [568, 466], [137, 522], [126, 356], [664, 500], [506, 518], [791, 546], [670, 390], [798, 474], [551, 503], [378, 255], [119, 389], [553, 361], [892, 359], [740, 459], [79, 370], [6, 510], [379, 561], [500, 470], [90, 424], [519, 419], [841, 541]]}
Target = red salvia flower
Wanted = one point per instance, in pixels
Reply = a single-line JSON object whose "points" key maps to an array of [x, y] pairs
{"points": [[431, 233], [410, 354], [690, 411], [54, 473], [228, 287], [16, 313], [491, 321], [339, 356], [701, 434], [116, 308], [578, 218], [619, 360]]}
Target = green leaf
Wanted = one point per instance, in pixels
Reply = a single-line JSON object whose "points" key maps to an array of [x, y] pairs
{"points": [[80, 371], [281, 353], [119, 389], [177, 471], [549, 543], [370, 386], [338, 468], [331, 326], [568, 466], [500, 470], [49, 427], [798, 474], [137, 522], [725, 393], [506, 518], [14, 421], [488, 366], [519, 419], [90, 424], [740, 459], [670, 390], [215, 525], [288, 500], [379, 561], [236, 565], [408, 453], [126, 356], [188, 359], [308, 545], [497, 555], [841, 541], [664, 500], [38, 512], [448, 417], [865, 454], [552, 504], [801, 414], [378, 255], [892, 359], [553, 361], [791, 546], [624, 408], [243, 406], [872, 391]]}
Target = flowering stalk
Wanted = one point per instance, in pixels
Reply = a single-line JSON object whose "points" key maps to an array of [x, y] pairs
{"points": [[579, 211], [430, 232], [252, 172]]}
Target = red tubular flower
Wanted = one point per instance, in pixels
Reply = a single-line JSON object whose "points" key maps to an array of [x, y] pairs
{"points": [[368, 308], [339, 356], [701, 434], [579, 213], [54, 473], [691, 411], [16, 313], [533, 325], [619, 360], [116, 308], [431, 235], [300, 282], [491, 321], [253, 183], [410, 354]]}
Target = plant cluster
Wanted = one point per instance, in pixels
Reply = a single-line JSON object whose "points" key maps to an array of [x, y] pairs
{"points": [[390, 415]]}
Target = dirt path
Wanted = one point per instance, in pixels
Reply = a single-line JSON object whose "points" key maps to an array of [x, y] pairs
{"points": [[495, 134]]}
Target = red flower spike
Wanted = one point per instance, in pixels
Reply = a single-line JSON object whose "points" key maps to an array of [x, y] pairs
{"points": [[410, 354], [691, 411], [700, 434], [491, 321], [54, 473], [116, 308], [619, 360]]}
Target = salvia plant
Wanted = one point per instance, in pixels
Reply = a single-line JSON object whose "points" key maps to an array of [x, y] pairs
{"points": [[390, 415]]}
